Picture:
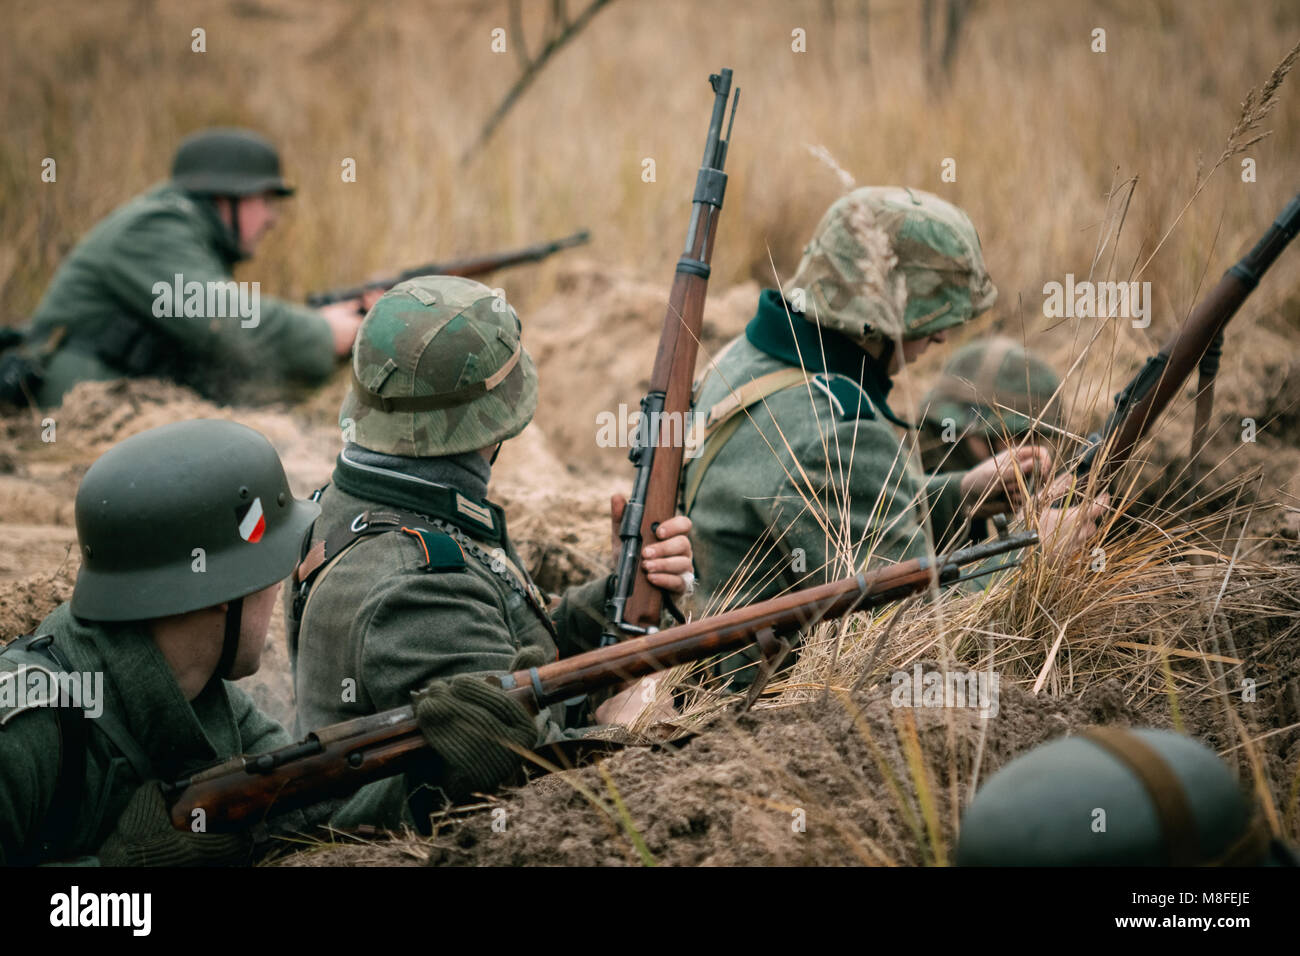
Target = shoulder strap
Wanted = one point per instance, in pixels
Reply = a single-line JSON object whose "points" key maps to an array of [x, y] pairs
{"points": [[321, 554], [698, 385], [445, 547], [722, 420], [106, 723], [74, 741]]}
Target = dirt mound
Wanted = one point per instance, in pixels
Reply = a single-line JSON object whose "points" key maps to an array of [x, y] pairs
{"points": [[874, 783], [826, 783], [24, 603]]}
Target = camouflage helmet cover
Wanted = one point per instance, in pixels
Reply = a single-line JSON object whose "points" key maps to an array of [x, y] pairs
{"points": [[439, 369], [225, 161], [887, 262], [183, 517], [992, 387], [1167, 798]]}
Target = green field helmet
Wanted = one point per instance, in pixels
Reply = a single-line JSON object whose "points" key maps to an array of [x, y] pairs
{"points": [[182, 517], [438, 369], [228, 162], [986, 378], [888, 262], [1116, 797]]}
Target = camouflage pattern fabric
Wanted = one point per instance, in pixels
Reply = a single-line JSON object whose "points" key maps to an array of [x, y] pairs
{"points": [[889, 263], [991, 388], [438, 369]]}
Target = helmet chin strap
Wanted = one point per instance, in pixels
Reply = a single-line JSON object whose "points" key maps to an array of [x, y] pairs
{"points": [[232, 202], [230, 643], [234, 224]]}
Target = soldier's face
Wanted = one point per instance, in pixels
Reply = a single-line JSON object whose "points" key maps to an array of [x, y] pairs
{"points": [[257, 216], [254, 622], [912, 349]]}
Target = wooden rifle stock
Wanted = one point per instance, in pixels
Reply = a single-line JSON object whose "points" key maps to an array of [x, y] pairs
{"points": [[636, 605], [341, 758], [468, 267], [1150, 392]]}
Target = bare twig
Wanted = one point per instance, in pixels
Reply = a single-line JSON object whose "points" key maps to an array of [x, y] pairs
{"points": [[565, 30]]}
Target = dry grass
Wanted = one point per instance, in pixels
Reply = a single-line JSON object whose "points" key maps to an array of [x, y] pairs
{"points": [[1037, 123], [1068, 161]]}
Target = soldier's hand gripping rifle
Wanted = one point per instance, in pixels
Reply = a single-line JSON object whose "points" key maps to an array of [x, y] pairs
{"points": [[636, 604], [338, 759], [1198, 341], [468, 267]]}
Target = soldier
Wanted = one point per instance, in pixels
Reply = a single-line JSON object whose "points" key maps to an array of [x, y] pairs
{"points": [[992, 395], [409, 574], [1117, 797], [799, 475], [186, 532], [149, 291]]}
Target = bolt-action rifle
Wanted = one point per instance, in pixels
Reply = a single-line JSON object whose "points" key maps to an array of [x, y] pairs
{"points": [[339, 759], [469, 267], [636, 604], [1198, 342]]}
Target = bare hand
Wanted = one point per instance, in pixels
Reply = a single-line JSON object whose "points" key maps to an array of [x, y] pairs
{"points": [[630, 703], [1067, 529], [995, 480], [369, 298], [344, 319], [667, 561]]}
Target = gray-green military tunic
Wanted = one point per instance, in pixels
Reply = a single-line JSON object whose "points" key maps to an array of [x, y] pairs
{"points": [[140, 728], [439, 590], [812, 483], [146, 730], [99, 318]]}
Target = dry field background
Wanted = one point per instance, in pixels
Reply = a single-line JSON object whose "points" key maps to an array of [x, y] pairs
{"points": [[1042, 131]]}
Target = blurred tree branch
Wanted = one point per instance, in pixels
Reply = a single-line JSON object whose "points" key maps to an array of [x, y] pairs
{"points": [[559, 31], [937, 64]]}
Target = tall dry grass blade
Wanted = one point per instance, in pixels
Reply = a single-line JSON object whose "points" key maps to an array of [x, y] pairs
{"points": [[921, 783]]}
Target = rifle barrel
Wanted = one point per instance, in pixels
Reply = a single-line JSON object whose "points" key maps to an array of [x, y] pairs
{"points": [[468, 267], [1159, 381], [706, 637], [636, 605], [338, 759]]}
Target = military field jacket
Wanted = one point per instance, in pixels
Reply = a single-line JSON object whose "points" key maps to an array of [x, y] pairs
{"points": [[102, 308], [164, 735], [814, 483], [441, 596]]}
